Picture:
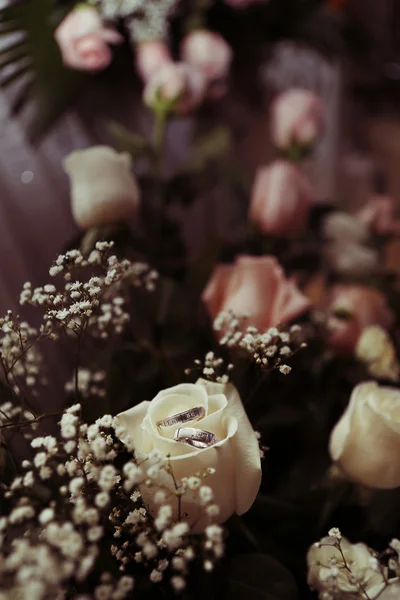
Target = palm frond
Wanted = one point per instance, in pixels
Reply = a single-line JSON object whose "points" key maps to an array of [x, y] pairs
{"points": [[31, 65]]}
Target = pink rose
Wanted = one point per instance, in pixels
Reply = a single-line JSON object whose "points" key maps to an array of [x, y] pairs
{"points": [[209, 52], [365, 306], [378, 215], [255, 285], [281, 199], [296, 117], [177, 82], [83, 40], [150, 57]]}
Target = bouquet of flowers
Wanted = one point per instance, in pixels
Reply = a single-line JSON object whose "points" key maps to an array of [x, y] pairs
{"points": [[222, 412]]}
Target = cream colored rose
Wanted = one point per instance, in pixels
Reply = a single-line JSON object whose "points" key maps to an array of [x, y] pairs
{"points": [[326, 567], [376, 350], [103, 188], [235, 457], [366, 440]]}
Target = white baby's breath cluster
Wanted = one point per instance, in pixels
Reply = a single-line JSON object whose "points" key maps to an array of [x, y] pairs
{"points": [[90, 383], [95, 304], [212, 368], [143, 19], [269, 349], [21, 361], [78, 509]]}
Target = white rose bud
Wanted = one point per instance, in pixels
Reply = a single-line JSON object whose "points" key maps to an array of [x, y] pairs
{"points": [[103, 188], [375, 348], [325, 563], [366, 440], [235, 457]]}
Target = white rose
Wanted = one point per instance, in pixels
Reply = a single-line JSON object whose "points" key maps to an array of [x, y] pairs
{"points": [[391, 592], [375, 348], [366, 440], [103, 188], [235, 457], [325, 564]]}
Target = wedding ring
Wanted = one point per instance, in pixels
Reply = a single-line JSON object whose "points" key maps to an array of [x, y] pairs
{"points": [[199, 438], [193, 414]]}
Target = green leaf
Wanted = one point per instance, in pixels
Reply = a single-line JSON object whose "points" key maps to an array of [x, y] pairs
{"points": [[127, 141], [51, 85], [212, 146], [259, 577]]}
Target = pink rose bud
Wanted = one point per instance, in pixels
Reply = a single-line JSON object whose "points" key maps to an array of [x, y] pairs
{"points": [[208, 52], [360, 306], [378, 215], [257, 286], [281, 199], [83, 40], [176, 83], [150, 57], [296, 118]]}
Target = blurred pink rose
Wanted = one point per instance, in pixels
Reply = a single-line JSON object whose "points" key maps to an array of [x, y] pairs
{"points": [[176, 81], [296, 117], [83, 40], [365, 305], [150, 57], [209, 52], [281, 199], [378, 215], [255, 285]]}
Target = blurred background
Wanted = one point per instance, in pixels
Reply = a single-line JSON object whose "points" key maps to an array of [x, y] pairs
{"points": [[347, 50]]}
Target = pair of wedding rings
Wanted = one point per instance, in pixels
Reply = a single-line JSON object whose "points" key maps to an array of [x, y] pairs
{"points": [[198, 438]]}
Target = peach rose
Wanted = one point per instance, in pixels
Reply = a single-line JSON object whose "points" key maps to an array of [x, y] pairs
{"points": [[254, 285], [208, 52], [378, 215], [281, 199], [150, 57], [83, 40], [362, 306], [296, 118], [177, 83]]}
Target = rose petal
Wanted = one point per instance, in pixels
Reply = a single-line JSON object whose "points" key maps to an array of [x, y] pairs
{"points": [[245, 447], [131, 422]]}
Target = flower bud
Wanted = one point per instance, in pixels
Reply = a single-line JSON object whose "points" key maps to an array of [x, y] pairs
{"points": [[296, 118], [103, 188], [176, 86], [83, 40], [281, 199], [150, 57], [209, 53]]}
